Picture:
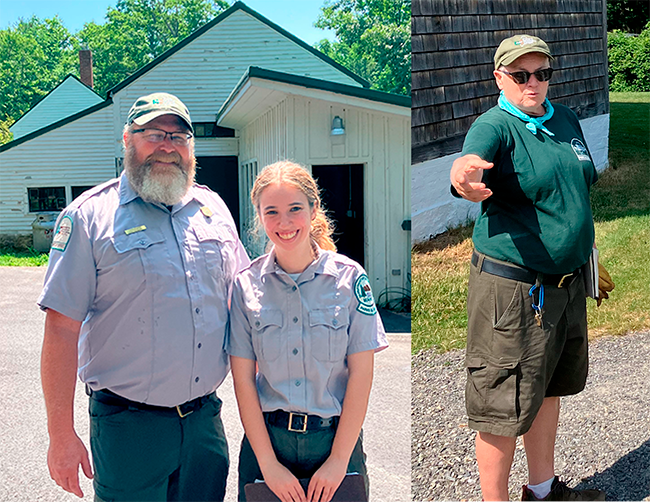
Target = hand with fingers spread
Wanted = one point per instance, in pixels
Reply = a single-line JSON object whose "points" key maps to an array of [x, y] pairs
{"points": [[284, 484], [326, 480], [466, 175], [63, 459]]}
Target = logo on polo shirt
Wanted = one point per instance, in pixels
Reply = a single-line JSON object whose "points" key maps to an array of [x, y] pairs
{"points": [[580, 149]]}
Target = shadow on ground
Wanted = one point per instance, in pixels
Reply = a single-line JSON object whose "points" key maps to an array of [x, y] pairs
{"points": [[394, 322], [627, 479]]}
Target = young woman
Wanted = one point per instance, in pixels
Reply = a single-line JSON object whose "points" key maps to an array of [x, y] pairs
{"points": [[305, 316]]}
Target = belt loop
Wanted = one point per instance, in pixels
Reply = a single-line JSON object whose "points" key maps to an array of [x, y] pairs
{"points": [[89, 391], [481, 259]]}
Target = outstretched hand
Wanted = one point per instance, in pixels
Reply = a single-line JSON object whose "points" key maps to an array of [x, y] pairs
{"points": [[63, 459], [466, 175]]}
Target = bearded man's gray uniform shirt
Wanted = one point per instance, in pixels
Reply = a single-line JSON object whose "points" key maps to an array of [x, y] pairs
{"points": [[151, 287]]}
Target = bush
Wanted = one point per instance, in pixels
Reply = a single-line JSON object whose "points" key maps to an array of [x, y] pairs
{"points": [[629, 61]]}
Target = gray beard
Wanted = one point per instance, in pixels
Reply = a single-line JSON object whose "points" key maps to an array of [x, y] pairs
{"points": [[164, 188]]}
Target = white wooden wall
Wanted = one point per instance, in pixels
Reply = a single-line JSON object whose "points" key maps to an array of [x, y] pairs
{"points": [[204, 72], [67, 99], [298, 128], [77, 154], [435, 210]]}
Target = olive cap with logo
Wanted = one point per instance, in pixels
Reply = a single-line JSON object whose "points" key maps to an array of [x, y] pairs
{"points": [[147, 108], [514, 47]]}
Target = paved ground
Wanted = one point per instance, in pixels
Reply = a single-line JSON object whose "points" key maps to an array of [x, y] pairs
{"points": [[23, 436]]}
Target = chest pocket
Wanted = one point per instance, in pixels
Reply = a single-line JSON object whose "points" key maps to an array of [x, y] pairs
{"points": [[148, 244], [213, 240], [267, 333], [329, 333]]}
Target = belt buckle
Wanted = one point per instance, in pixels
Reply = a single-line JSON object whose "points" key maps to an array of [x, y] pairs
{"points": [[304, 422], [180, 413], [564, 277]]}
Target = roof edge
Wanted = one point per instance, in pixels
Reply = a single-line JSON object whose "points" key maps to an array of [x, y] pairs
{"points": [[69, 75], [313, 83], [211, 24], [55, 125]]}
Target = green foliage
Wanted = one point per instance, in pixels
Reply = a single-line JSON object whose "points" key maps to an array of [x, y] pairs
{"points": [[627, 15], [34, 57], [629, 61], [373, 39], [138, 31], [5, 134]]}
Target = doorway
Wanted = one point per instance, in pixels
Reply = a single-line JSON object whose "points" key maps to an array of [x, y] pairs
{"points": [[342, 194], [221, 175]]}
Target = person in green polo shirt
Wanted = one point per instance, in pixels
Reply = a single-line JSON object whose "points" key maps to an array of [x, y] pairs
{"points": [[527, 163]]}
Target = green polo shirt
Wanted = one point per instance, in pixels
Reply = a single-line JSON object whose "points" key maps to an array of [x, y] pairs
{"points": [[538, 215]]}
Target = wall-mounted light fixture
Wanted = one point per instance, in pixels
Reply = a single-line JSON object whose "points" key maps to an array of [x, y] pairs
{"points": [[337, 126]]}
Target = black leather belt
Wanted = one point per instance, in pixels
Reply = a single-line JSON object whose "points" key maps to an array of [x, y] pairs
{"points": [[298, 422], [521, 274], [105, 396]]}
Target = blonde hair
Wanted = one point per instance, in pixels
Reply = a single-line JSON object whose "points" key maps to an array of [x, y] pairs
{"points": [[290, 173]]}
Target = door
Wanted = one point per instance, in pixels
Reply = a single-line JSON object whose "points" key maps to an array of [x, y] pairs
{"points": [[342, 194], [221, 175]]}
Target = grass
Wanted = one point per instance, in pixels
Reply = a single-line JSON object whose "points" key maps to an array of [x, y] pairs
{"points": [[11, 257], [621, 206]]}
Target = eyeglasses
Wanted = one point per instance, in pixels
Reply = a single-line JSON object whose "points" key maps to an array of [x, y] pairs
{"points": [[522, 77], [158, 136]]}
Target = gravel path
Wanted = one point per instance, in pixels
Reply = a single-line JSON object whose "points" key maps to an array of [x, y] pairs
{"points": [[603, 438]]}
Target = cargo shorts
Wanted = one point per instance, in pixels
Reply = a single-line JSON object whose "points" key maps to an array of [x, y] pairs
{"points": [[512, 363]]}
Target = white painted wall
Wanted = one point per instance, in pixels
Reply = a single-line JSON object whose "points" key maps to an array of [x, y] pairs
{"points": [[435, 210], [70, 97], [204, 72], [298, 128], [76, 154]]}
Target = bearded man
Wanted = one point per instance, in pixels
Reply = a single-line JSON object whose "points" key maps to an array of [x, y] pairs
{"points": [[136, 295]]}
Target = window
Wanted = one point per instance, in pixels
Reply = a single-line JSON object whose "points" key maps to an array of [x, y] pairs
{"points": [[46, 199], [77, 191], [211, 130]]}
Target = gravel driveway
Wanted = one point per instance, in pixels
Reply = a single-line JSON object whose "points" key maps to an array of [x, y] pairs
{"points": [[603, 438]]}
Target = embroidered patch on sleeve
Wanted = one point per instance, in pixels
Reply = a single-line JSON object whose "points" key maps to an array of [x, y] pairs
{"points": [[364, 295], [62, 234], [579, 149]]}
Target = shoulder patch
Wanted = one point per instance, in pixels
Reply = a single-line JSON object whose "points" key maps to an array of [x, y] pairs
{"points": [[62, 234], [364, 295]]}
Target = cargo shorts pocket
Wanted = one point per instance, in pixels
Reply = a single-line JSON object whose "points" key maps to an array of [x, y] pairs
{"points": [[492, 389]]}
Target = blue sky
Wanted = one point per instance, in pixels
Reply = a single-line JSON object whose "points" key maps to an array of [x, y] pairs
{"points": [[295, 16]]}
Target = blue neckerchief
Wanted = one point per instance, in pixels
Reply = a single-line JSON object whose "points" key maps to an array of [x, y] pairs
{"points": [[532, 123]]}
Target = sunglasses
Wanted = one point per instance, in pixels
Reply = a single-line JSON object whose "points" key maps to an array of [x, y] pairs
{"points": [[521, 77]]}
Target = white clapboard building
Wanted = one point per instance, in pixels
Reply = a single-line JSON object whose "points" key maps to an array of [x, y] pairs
{"points": [[256, 94]]}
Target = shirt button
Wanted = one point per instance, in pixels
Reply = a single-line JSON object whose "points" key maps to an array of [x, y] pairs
{"points": [[295, 351], [257, 324], [196, 379], [297, 383], [335, 322], [295, 319], [197, 310], [142, 242], [199, 345], [293, 288]]}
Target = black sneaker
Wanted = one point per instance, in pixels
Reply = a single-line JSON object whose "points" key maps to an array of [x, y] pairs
{"points": [[560, 491]]}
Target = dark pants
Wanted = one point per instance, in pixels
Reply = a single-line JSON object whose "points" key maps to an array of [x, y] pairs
{"points": [[151, 455], [301, 453]]}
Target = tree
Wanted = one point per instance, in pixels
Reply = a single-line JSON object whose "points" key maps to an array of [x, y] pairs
{"points": [[373, 39], [34, 57], [629, 16], [138, 31]]}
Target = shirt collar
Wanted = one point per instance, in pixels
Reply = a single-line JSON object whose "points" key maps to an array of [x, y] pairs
{"points": [[324, 264]]}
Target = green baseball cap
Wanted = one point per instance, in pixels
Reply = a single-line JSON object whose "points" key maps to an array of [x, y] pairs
{"points": [[514, 47], [154, 105]]}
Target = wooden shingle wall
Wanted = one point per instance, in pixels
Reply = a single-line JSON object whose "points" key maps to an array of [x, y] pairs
{"points": [[453, 45]]}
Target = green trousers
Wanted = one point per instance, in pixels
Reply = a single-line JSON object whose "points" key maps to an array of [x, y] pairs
{"points": [[151, 455], [301, 453]]}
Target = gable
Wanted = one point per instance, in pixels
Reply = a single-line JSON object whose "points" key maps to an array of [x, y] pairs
{"points": [[203, 72], [66, 99]]}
